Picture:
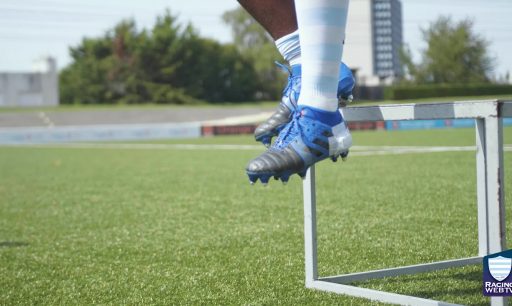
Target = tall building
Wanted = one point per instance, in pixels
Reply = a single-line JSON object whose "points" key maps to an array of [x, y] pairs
{"points": [[374, 40]]}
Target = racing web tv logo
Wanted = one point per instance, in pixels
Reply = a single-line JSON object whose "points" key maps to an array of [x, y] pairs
{"points": [[496, 274]]}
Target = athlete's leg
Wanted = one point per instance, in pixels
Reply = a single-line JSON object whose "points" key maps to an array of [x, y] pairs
{"points": [[322, 33], [277, 17], [317, 130]]}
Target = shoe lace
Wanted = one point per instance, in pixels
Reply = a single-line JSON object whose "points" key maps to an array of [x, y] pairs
{"points": [[290, 131], [287, 91]]}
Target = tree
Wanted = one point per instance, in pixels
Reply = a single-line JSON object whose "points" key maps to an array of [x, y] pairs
{"points": [[454, 54], [169, 63], [254, 43]]}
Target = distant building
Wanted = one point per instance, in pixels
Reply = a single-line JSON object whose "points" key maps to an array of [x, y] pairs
{"points": [[374, 40], [37, 88]]}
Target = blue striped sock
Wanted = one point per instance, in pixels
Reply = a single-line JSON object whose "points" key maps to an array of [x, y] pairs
{"points": [[322, 32], [289, 47]]}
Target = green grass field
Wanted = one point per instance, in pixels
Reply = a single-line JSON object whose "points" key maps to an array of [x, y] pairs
{"points": [[173, 226]]}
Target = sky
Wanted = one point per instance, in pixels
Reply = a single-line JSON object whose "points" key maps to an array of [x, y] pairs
{"points": [[30, 29]]}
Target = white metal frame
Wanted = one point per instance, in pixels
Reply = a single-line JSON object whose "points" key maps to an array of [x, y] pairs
{"points": [[490, 197]]}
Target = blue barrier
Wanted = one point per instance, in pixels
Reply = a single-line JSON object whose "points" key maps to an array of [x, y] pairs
{"points": [[135, 132], [99, 133], [435, 124]]}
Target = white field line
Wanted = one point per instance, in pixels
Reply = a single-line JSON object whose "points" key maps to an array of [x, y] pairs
{"points": [[355, 151]]}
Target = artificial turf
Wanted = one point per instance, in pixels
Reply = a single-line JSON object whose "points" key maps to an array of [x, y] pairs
{"points": [[174, 226]]}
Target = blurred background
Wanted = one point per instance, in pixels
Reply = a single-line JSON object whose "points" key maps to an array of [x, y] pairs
{"points": [[188, 51], [130, 53]]}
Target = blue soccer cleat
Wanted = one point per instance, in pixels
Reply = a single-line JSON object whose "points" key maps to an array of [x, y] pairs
{"points": [[312, 135], [283, 114]]}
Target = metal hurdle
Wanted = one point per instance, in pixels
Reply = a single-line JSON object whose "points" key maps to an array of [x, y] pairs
{"points": [[488, 116]]}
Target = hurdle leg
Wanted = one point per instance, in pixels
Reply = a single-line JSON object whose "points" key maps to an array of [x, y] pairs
{"points": [[495, 183], [495, 188], [310, 243], [490, 190], [481, 188]]}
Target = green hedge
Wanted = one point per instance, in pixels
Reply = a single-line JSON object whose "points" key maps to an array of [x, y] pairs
{"points": [[432, 91]]}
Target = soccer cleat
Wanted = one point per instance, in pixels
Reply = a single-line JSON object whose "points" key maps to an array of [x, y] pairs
{"points": [[283, 114], [312, 135]]}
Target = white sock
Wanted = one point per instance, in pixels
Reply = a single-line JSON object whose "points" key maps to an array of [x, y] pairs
{"points": [[322, 32], [289, 47]]}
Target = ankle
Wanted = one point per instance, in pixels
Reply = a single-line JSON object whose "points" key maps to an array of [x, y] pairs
{"points": [[289, 47], [327, 117]]}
